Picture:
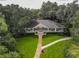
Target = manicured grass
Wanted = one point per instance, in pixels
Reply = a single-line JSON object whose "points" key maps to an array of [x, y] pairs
{"points": [[27, 45], [56, 51], [50, 38]]}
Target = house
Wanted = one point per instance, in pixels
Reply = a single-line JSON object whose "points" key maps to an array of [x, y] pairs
{"points": [[47, 26]]}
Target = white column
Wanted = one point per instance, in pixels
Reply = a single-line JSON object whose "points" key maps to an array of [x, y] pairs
{"points": [[55, 29]]}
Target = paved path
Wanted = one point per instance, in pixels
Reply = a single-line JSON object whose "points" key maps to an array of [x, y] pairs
{"points": [[66, 38], [39, 46]]}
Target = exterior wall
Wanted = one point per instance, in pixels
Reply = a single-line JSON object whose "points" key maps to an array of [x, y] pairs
{"points": [[48, 30], [40, 26], [59, 29]]}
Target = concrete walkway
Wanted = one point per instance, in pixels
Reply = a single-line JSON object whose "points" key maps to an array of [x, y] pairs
{"points": [[39, 45], [52, 43]]}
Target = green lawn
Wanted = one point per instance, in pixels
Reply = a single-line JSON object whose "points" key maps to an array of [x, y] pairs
{"points": [[27, 45], [56, 51], [50, 38]]}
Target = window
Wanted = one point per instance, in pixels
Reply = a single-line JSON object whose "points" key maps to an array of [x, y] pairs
{"points": [[52, 29], [58, 29], [38, 29]]}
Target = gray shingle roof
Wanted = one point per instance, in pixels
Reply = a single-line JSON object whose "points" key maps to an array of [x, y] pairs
{"points": [[31, 24], [48, 23]]}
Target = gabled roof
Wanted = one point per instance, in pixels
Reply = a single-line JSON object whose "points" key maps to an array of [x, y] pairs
{"points": [[47, 23], [40, 25], [50, 24]]}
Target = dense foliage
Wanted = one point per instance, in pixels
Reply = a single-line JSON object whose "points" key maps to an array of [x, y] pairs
{"points": [[73, 50], [7, 42]]}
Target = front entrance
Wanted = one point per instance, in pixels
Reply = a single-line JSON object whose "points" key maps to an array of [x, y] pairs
{"points": [[40, 30]]}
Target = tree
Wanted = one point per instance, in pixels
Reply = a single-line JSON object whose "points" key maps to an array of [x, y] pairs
{"points": [[13, 14], [75, 28], [73, 50], [5, 53], [60, 14], [12, 55], [7, 42], [23, 21], [66, 14], [3, 25], [35, 13], [48, 10], [3, 49]]}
